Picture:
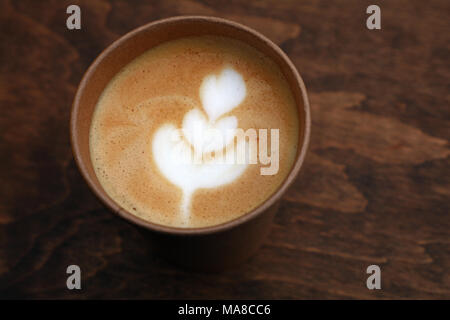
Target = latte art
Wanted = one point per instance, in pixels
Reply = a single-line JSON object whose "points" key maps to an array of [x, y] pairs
{"points": [[222, 94], [219, 95], [195, 132]]}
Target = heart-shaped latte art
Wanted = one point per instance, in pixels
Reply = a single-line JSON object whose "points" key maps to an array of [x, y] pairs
{"points": [[222, 94], [207, 136]]}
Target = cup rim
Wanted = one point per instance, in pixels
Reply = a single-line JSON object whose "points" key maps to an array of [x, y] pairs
{"points": [[113, 206]]}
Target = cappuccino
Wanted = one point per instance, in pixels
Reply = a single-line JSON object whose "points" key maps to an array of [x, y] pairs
{"points": [[194, 132]]}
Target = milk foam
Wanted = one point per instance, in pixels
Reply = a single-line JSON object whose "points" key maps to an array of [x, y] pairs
{"points": [[222, 94], [205, 135], [202, 134]]}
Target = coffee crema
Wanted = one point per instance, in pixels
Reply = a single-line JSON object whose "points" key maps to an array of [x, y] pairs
{"points": [[171, 99]]}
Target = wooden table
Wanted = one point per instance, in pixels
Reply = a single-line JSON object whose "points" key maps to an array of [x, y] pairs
{"points": [[375, 187]]}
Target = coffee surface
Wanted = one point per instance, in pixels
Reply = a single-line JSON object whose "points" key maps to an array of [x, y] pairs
{"points": [[174, 97]]}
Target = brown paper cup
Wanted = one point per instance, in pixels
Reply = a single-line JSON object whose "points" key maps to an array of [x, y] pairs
{"points": [[209, 248]]}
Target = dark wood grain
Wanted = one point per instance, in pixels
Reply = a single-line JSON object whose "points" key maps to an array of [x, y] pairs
{"points": [[375, 187]]}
